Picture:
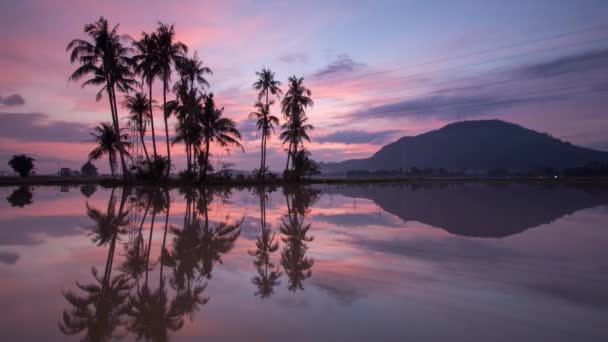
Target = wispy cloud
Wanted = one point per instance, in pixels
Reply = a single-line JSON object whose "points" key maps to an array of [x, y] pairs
{"points": [[342, 65], [358, 136], [579, 63], [294, 58], [38, 127]]}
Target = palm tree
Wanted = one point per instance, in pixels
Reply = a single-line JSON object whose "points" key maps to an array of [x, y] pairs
{"points": [[266, 85], [106, 60], [265, 123], [294, 105], [168, 53], [191, 71], [148, 67], [110, 143], [217, 129], [140, 116], [188, 108], [295, 131]]}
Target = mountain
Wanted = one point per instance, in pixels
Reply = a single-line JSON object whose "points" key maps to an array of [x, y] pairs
{"points": [[476, 145]]}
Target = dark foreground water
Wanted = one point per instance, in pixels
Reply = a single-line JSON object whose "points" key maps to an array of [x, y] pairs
{"points": [[422, 262]]}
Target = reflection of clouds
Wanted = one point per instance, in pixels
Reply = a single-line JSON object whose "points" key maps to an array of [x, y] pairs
{"points": [[8, 258], [27, 230], [359, 219]]}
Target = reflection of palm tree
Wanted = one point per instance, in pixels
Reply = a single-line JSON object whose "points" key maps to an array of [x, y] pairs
{"points": [[100, 311], [297, 266], [153, 315], [135, 259], [267, 277]]}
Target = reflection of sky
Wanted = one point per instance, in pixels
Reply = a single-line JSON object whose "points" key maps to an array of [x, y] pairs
{"points": [[378, 69], [374, 276]]}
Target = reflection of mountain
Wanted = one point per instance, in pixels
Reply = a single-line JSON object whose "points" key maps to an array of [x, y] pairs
{"points": [[481, 209]]}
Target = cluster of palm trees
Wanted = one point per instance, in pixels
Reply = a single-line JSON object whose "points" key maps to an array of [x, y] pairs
{"points": [[124, 300], [114, 63], [295, 129]]}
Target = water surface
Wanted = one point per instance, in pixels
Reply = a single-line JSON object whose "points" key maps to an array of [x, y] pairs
{"points": [[427, 261]]}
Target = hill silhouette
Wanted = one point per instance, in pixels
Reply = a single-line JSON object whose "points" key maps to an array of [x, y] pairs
{"points": [[477, 145], [489, 210]]}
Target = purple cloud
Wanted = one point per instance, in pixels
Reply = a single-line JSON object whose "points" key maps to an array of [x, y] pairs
{"points": [[343, 64], [12, 100]]}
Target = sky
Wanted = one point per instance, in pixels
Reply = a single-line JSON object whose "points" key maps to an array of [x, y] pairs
{"points": [[378, 70]]}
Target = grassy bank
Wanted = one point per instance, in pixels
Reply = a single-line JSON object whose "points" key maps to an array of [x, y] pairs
{"points": [[107, 181]]}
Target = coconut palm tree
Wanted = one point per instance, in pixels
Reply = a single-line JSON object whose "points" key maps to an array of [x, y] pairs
{"points": [[295, 131], [191, 70], [148, 67], [109, 143], [188, 108], [265, 123], [107, 61], [266, 85], [168, 53], [294, 105], [139, 116], [217, 129]]}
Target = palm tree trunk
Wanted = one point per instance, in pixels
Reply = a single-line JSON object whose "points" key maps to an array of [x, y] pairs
{"points": [[262, 156], [143, 143], [288, 156], [166, 124], [111, 165], [206, 158], [295, 153], [152, 120], [125, 171]]}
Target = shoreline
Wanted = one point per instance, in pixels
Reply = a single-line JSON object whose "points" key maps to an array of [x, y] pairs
{"points": [[109, 182]]}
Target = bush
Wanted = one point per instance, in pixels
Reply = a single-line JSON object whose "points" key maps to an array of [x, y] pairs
{"points": [[88, 169], [22, 164]]}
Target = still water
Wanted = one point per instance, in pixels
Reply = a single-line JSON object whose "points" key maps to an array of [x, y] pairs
{"points": [[428, 261]]}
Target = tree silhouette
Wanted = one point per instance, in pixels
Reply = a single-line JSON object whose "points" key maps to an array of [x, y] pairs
{"points": [[168, 53], [107, 61], [266, 85], [265, 123], [294, 105], [21, 197], [109, 143], [139, 116], [88, 169], [148, 67], [217, 129], [22, 164], [191, 71]]}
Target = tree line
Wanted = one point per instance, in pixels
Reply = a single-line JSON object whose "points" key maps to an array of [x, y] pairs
{"points": [[121, 66]]}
